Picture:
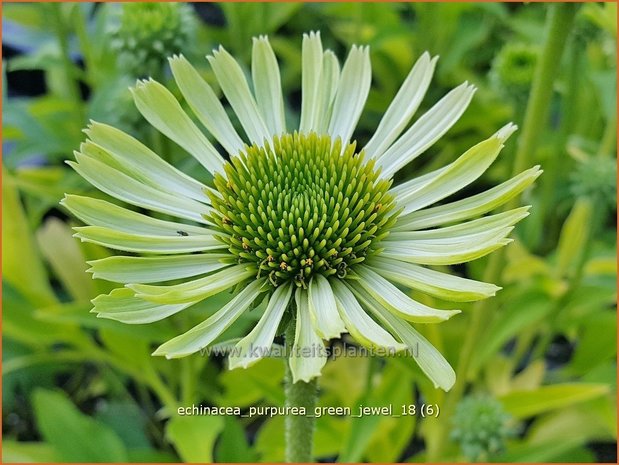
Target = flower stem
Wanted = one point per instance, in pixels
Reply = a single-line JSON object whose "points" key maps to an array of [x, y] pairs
{"points": [[72, 85], [558, 26], [299, 428]]}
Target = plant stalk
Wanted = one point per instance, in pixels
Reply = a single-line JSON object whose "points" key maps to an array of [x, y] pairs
{"points": [[72, 84], [299, 429]]}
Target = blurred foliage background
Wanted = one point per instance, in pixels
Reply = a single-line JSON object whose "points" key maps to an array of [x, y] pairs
{"points": [[539, 383]]}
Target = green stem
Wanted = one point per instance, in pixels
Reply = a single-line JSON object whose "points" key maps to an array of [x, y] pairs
{"points": [[299, 428], [555, 163], [558, 25], [79, 25], [72, 85]]}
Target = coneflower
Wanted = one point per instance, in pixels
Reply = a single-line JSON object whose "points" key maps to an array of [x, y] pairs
{"points": [[299, 215]]}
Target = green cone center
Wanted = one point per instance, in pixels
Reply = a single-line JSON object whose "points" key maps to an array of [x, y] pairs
{"points": [[300, 206]]}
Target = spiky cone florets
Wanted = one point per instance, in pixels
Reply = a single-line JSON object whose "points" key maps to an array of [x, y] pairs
{"points": [[149, 33], [301, 206], [482, 426]]}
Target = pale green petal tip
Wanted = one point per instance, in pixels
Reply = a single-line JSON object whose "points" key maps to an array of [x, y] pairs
{"points": [[300, 373]]}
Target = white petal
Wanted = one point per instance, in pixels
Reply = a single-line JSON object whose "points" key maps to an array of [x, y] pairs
{"points": [[470, 206], [98, 212], [205, 104], [127, 189], [430, 360], [122, 305], [312, 60], [397, 302], [329, 80], [442, 285], [403, 106], [352, 92], [429, 128], [194, 290], [135, 154], [206, 332], [162, 110], [445, 252], [140, 243], [234, 85], [323, 309], [308, 354], [463, 230], [466, 169], [155, 269], [268, 86], [359, 324], [258, 342]]}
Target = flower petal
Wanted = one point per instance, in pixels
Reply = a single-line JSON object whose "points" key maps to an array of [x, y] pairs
{"points": [[122, 305], [352, 92], [359, 324], [206, 332], [308, 351], [234, 85], [454, 176], [430, 360], [155, 269], [162, 110], [135, 154], [323, 309], [394, 300], [312, 58], [470, 206], [194, 290], [444, 251], [141, 243], [205, 104], [429, 128], [457, 232], [98, 212], [267, 85], [258, 342], [442, 285], [403, 106], [127, 189], [329, 80]]}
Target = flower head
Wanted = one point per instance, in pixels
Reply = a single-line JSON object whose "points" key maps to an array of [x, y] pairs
{"points": [[301, 216], [148, 33], [482, 427]]}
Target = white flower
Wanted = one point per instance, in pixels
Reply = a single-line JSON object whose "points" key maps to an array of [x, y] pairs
{"points": [[297, 214]]}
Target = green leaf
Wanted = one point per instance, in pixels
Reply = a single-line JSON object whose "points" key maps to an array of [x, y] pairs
{"points": [[194, 437], [28, 452], [21, 322], [250, 385], [381, 438], [62, 251], [597, 343], [524, 404], [77, 437], [536, 453], [128, 420], [232, 446], [574, 236], [522, 311], [21, 264]]}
